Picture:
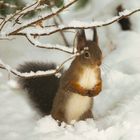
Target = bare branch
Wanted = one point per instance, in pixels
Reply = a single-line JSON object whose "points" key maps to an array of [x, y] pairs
{"points": [[82, 25], [31, 8], [38, 73], [38, 44], [61, 32], [20, 12], [32, 22], [29, 31]]}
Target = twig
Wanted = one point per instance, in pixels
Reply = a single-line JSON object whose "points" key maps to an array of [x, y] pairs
{"points": [[62, 34], [83, 25], [61, 20], [36, 43], [53, 29], [37, 7], [16, 13], [38, 73], [28, 24]]}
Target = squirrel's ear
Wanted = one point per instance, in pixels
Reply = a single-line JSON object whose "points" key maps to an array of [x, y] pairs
{"points": [[95, 36], [81, 40]]}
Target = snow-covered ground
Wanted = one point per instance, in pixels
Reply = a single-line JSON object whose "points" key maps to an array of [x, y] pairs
{"points": [[116, 109]]}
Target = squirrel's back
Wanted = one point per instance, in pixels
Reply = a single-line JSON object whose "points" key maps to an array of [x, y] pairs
{"points": [[72, 99], [41, 90]]}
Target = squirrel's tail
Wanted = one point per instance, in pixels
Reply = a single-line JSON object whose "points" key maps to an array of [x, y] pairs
{"points": [[41, 90]]}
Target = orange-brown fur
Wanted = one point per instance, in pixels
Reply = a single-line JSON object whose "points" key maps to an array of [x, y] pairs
{"points": [[70, 86], [71, 97]]}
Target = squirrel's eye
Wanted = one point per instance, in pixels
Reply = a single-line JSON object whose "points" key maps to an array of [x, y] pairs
{"points": [[87, 54]]}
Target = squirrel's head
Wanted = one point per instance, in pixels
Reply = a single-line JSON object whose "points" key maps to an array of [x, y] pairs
{"points": [[91, 53]]}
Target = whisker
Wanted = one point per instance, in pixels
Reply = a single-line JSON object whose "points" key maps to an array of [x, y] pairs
{"points": [[102, 69], [105, 68]]}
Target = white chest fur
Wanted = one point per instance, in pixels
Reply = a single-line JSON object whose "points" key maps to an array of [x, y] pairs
{"points": [[88, 79], [76, 106]]}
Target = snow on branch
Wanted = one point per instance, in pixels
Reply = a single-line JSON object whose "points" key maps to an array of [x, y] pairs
{"points": [[87, 25], [30, 28], [35, 27], [72, 25], [40, 19], [18, 14], [82, 25], [38, 73], [34, 24], [23, 28], [38, 44]]}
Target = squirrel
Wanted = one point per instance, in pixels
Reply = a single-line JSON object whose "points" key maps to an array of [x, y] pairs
{"points": [[70, 97]]}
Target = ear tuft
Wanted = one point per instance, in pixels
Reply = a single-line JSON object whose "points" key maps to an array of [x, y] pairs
{"points": [[95, 36], [81, 40]]}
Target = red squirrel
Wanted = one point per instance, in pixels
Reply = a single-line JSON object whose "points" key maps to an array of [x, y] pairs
{"points": [[70, 97]]}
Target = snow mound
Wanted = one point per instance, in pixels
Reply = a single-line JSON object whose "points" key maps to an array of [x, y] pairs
{"points": [[116, 109], [0, 74]]}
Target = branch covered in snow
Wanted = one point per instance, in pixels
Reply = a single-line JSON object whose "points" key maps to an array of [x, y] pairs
{"points": [[40, 19], [38, 44], [38, 73], [9, 18], [81, 24], [33, 24], [72, 25], [35, 27]]}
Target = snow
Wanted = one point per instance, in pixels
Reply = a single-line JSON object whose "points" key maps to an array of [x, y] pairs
{"points": [[30, 74], [37, 73], [45, 16], [76, 24], [50, 46], [0, 74], [116, 109], [13, 84], [15, 121]]}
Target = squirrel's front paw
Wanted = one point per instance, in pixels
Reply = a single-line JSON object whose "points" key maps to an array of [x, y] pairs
{"points": [[76, 88], [96, 90]]}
